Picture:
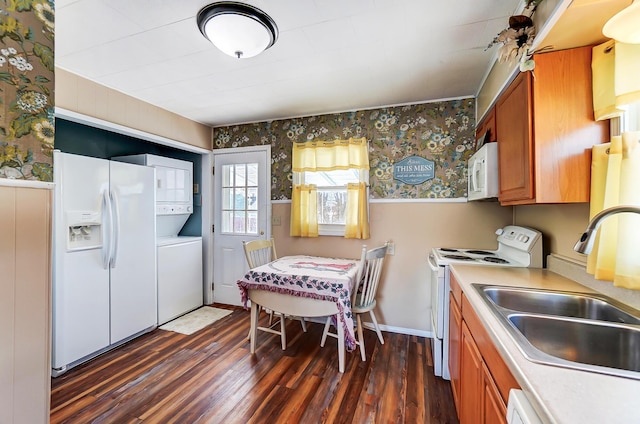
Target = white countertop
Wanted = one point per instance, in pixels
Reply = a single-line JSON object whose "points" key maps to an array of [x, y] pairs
{"points": [[559, 395]]}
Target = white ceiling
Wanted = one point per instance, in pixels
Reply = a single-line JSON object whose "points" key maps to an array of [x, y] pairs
{"points": [[331, 55]]}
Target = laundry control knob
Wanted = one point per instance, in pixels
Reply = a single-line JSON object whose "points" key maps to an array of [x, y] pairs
{"points": [[499, 231]]}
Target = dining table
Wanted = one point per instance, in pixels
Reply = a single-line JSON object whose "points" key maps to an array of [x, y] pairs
{"points": [[304, 286]]}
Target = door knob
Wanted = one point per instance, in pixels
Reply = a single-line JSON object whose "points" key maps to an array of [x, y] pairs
{"points": [[261, 233]]}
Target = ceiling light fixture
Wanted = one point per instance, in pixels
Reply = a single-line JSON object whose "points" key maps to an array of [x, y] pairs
{"points": [[624, 26], [237, 29]]}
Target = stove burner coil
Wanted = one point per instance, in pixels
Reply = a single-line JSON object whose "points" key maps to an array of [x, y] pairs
{"points": [[480, 252], [447, 249], [459, 257], [495, 260]]}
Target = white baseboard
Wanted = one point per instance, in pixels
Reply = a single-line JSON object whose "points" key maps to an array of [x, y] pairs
{"points": [[401, 330], [387, 328]]}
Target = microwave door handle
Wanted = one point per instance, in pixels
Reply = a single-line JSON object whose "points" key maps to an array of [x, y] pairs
{"points": [[474, 181]]}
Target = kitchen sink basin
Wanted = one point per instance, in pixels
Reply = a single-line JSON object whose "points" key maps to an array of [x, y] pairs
{"points": [[590, 344], [566, 304], [586, 331]]}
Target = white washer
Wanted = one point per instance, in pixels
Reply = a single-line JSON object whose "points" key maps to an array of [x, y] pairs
{"points": [[180, 286]]}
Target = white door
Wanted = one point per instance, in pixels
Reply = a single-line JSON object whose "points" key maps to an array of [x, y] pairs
{"points": [[80, 274], [133, 265], [242, 211]]}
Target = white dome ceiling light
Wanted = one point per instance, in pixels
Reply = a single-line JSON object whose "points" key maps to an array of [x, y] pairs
{"points": [[625, 25], [237, 29]]}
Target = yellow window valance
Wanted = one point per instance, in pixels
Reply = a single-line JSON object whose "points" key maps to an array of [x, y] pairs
{"points": [[330, 155], [615, 79]]}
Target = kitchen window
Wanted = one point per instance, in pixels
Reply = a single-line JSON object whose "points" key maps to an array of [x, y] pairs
{"points": [[332, 194], [631, 117], [330, 188]]}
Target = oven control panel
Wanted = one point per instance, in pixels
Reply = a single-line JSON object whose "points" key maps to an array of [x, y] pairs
{"points": [[522, 238]]}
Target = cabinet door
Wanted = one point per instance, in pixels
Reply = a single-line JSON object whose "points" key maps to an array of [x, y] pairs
{"points": [[471, 379], [514, 134], [455, 334], [564, 127], [488, 124], [495, 411]]}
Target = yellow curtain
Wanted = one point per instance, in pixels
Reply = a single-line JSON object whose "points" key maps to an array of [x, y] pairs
{"points": [[330, 155], [357, 214], [627, 87], [327, 156], [304, 206], [603, 65], [615, 82], [615, 173], [628, 260]]}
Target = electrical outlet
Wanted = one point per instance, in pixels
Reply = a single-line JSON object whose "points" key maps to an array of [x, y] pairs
{"points": [[276, 220], [391, 248]]}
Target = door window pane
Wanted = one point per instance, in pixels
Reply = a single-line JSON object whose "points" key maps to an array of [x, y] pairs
{"points": [[227, 221], [239, 222], [252, 198], [227, 198], [240, 195]]}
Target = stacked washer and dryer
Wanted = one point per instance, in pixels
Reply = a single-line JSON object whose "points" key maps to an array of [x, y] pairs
{"points": [[179, 258]]}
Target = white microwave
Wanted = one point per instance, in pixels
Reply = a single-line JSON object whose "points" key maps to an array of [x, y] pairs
{"points": [[483, 173]]}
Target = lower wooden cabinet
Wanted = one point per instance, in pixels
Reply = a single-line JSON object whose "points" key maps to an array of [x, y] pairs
{"points": [[480, 380], [495, 410], [471, 380], [455, 334]]}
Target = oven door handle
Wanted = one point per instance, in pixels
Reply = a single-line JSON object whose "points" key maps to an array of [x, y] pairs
{"points": [[432, 262]]}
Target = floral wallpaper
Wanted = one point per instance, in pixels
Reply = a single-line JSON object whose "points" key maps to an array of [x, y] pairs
{"points": [[26, 89], [442, 132]]}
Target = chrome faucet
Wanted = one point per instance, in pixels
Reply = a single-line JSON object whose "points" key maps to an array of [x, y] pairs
{"points": [[585, 243]]}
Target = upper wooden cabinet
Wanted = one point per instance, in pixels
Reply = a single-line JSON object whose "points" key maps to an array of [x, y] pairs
{"points": [[545, 131], [488, 124]]}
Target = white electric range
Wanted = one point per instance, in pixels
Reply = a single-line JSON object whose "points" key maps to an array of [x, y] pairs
{"points": [[517, 247]]}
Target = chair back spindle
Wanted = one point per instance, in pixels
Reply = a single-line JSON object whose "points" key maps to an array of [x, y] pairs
{"points": [[369, 276], [259, 252]]}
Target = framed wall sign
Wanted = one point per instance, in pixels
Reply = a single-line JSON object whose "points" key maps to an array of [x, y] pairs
{"points": [[414, 170]]}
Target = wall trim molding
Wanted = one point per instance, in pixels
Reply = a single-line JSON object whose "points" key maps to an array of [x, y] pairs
{"points": [[401, 330], [452, 200], [9, 182], [383, 327]]}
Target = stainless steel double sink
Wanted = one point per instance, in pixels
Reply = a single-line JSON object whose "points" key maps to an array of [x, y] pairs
{"points": [[585, 331]]}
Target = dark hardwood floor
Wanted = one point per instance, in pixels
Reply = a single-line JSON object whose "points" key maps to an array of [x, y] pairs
{"points": [[210, 377]]}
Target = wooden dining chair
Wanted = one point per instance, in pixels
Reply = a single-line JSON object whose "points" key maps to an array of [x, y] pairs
{"points": [[363, 297], [260, 252]]}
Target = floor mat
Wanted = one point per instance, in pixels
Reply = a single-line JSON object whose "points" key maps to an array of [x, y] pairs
{"points": [[196, 320]]}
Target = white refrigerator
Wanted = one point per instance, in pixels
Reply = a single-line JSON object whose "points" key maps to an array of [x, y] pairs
{"points": [[104, 259]]}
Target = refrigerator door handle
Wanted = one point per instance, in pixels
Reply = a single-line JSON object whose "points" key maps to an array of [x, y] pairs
{"points": [[107, 219], [115, 207]]}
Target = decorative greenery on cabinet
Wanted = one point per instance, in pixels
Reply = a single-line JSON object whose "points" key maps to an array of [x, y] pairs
{"points": [[442, 132], [26, 89]]}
